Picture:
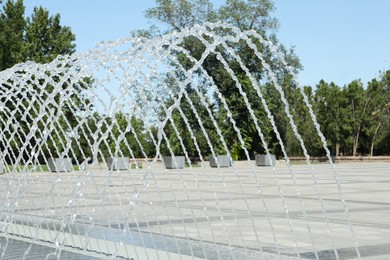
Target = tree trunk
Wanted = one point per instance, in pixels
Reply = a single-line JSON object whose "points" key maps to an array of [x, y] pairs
{"points": [[356, 141], [337, 149], [355, 144], [373, 139]]}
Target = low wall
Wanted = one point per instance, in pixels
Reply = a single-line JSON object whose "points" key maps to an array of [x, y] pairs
{"points": [[343, 159]]}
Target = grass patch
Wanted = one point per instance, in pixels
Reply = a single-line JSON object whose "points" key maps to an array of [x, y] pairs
{"points": [[134, 166], [31, 168], [193, 165]]}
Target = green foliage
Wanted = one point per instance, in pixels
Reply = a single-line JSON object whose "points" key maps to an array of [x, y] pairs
{"points": [[45, 38], [12, 28], [331, 112], [39, 38], [355, 119], [356, 112], [377, 124], [184, 125], [248, 15], [123, 135], [181, 13], [253, 14]]}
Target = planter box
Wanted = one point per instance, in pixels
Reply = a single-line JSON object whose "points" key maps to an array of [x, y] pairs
{"points": [[223, 161], [176, 162], [264, 160], [118, 163], [60, 165]]}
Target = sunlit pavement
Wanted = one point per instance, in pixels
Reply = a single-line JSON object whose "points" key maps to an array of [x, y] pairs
{"points": [[240, 212]]}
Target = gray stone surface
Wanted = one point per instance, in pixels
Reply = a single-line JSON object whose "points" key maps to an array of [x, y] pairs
{"points": [[1, 167], [118, 163], [223, 161], [176, 162], [241, 212], [60, 164], [264, 160], [16, 249]]}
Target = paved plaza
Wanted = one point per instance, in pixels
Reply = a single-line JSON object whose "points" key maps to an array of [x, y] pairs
{"points": [[240, 212]]}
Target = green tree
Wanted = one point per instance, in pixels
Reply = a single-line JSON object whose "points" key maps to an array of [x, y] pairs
{"points": [[303, 121], [356, 106], [46, 38], [12, 28], [377, 124], [186, 118], [246, 15], [127, 138], [330, 110], [178, 14], [38, 38]]}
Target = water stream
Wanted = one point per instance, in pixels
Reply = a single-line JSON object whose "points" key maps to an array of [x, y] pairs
{"points": [[138, 101]]}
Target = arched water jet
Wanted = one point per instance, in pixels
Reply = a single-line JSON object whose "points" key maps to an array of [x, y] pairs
{"points": [[117, 101]]}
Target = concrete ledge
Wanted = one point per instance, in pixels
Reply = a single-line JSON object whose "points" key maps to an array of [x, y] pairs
{"points": [[342, 159]]}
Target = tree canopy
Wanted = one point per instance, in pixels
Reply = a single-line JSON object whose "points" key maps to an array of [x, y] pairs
{"points": [[354, 118], [246, 15], [39, 37]]}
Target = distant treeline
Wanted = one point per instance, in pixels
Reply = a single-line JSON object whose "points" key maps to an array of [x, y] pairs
{"points": [[355, 120]]}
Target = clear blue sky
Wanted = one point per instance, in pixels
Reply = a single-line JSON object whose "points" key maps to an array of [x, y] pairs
{"points": [[336, 40]]}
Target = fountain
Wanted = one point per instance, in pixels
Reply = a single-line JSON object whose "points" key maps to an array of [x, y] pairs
{"points": [[129, 100]]}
